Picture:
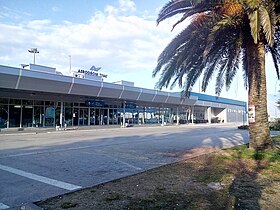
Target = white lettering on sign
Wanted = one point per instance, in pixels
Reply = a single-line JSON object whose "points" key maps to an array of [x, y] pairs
{"points": [[89, 72], [251, 114]]}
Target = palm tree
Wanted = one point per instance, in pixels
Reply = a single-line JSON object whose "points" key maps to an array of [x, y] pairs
{"points": [[219, 36]]}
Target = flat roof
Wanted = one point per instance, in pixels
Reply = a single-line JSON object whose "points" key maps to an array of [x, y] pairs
{"points": [[15, 81], [216, 99]]}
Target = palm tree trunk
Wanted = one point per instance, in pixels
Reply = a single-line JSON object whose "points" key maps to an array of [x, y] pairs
{"points": [[259, 130]]}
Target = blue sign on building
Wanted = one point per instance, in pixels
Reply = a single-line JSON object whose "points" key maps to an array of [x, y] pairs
{"points": [[95, 103], [130, 106]]}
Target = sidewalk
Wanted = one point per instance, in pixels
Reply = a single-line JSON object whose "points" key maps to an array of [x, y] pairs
{"points": [[34, 130]]}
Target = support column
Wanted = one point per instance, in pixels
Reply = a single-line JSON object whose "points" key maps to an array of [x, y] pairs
{"points": [[108, 116], [144, 115], [177, 116], [187, 113], [192, 114], [61, 115], [55, 105], [89, 116], [159, 115], [33, 119], [123, 124], [8, 116], [209, 114], [79, 115], [44, 115], [73, 113], [162, 117], [20, 120]]}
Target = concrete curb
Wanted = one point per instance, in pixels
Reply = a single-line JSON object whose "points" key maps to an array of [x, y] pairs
{"points": [[34, 131]]}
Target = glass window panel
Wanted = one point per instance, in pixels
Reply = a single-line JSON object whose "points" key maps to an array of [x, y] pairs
{"points": [[15, 101], [27, 102], [3, 116], [27, 112], [38, 116], [39, 103], [14, 111], [4, 101], [68, 115], [49, 103]]}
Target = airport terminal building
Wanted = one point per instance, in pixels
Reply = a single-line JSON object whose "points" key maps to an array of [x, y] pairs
{"points": [[39, 96]]}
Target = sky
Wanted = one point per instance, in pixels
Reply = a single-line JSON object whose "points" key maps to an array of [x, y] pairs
{"points": [[121, 36]]}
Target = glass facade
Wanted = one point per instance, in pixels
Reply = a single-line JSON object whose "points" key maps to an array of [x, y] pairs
{"points": [[32, 113], [19, 113]]}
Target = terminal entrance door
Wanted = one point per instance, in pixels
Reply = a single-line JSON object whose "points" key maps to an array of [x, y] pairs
{"points": [[100, 116], [80, 116], [83, 116]]}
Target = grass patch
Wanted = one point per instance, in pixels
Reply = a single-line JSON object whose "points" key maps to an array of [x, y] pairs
{"points": [[248, 180], [112, 196], [68, 205], [211, 169]]}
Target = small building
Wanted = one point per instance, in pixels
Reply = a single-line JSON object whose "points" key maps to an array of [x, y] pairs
{"points": [[43, 97]]}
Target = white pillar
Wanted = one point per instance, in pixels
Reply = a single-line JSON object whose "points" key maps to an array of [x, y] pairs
{"points": [[108, 116], [20, 120], [44, 115], [177, 116], [8, 115], [61, 114], [79, 115], [73, 114], [192, 114], [209, 114], [89, 116], [144, 116], [33, 119], [162, 117], [187, 120], [123, 114]]}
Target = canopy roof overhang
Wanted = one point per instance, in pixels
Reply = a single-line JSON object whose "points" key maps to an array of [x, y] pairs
{"points": [[37, 85]]}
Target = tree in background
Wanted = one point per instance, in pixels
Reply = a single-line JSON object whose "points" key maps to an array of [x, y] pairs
{"points": [[221, 34]]}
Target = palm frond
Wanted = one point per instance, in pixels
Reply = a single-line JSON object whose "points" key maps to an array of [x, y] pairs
{"points": [[276, 59], [245, 67], [171, 48], [267, 19], [220, 77], [253, 4], [172, 8], [216, 41], [255, 25]]}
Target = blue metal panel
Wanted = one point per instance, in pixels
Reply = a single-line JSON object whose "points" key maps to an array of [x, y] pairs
{"points": [[204, 97]]}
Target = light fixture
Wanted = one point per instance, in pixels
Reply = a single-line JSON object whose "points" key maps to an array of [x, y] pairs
{"points": [[34, 51], [24, 65]]}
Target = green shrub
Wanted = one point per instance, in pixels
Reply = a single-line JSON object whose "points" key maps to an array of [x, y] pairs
{"points": [[275, 125], [243, 127]]}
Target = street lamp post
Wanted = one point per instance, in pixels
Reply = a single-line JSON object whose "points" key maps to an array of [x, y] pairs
{"points": [[34, 51], [70, 63]]}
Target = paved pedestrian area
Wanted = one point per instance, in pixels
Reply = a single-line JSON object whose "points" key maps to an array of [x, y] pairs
{"points": [[36, 166]]}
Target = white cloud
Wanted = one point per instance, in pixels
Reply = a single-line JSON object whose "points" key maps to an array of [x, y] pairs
{"points": [[124, 7], [118, 43], [38, 24], [124, 45], [127, 6]]}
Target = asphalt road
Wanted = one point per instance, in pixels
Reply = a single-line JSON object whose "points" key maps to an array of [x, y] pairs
{"points": [[38, 166]]}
